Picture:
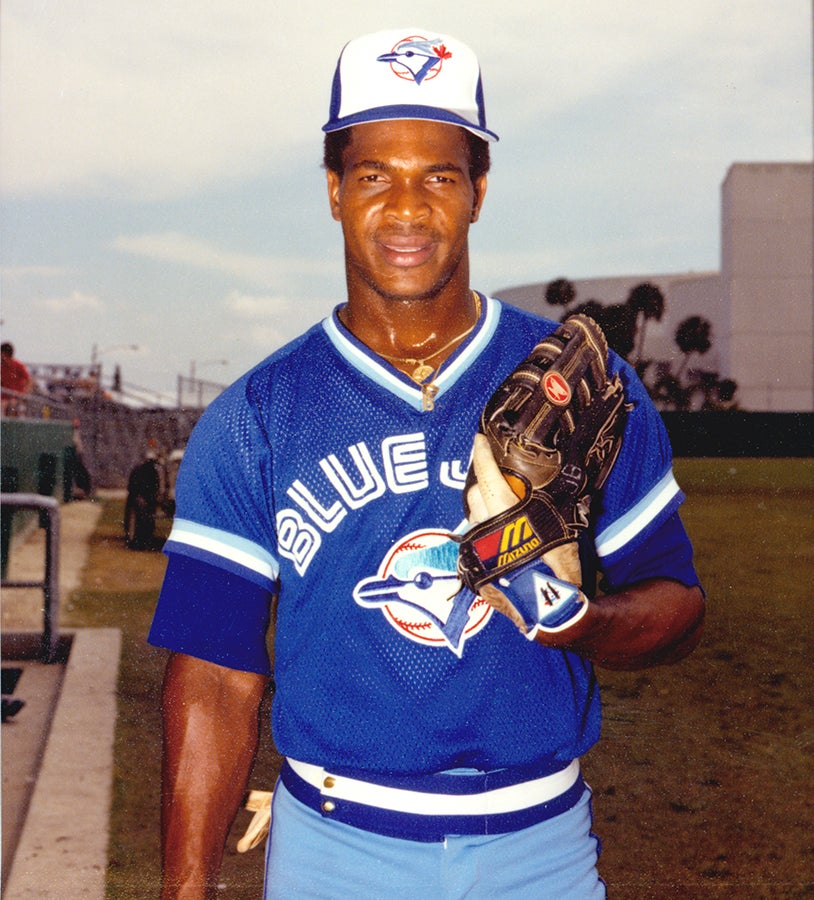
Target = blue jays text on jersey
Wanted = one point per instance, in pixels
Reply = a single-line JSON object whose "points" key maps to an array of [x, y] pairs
{"points": [[402, 467]]}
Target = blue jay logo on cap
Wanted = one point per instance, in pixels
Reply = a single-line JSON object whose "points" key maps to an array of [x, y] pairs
{"points": [[416, 58]]}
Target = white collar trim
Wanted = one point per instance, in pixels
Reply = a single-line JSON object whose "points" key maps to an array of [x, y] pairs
{"points": [[374, 367]]}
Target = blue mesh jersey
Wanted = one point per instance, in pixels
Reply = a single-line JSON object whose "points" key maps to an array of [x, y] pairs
{"points": [[319, 478]]}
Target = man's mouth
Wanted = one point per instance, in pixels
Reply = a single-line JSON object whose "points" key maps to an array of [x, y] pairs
{"points": [[406, 250]]}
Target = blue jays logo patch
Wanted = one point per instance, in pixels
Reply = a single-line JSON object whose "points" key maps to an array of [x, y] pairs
{"points": [[419, 593], [416, 59]]}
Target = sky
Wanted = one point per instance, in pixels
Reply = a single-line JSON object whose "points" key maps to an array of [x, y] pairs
{"points": [[164, 206]]}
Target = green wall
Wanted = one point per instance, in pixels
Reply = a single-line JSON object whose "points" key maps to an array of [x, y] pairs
{"points": [[37, 458]]}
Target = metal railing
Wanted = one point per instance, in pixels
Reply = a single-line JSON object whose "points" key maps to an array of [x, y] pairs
{"points": [[34, 406], [49, 510]]}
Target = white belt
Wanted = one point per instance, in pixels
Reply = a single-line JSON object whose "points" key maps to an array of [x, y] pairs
{"points": [[485, 803]]}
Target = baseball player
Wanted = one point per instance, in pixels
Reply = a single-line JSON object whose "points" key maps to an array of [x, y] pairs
{"points": [[434, 683]]}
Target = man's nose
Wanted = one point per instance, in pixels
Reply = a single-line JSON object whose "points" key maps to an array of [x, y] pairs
{"points": [[408, 201]]}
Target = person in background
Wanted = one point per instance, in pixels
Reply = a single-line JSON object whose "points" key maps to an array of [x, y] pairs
{"points": [[16, 381]]}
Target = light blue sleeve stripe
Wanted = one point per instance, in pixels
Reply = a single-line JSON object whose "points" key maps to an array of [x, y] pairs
{"points": [[238, 551], [624, 530]]}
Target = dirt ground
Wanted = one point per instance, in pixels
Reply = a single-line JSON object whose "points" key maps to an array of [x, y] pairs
{"points": [[703, 778]]}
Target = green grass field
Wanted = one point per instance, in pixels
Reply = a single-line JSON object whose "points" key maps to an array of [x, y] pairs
{"points": [[702, 780], [703, 776]]}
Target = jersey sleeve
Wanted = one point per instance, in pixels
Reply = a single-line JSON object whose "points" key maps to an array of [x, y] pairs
{"points": [[665, 553], [639, 533], [191, 616], [224, 503], [222, 572]]}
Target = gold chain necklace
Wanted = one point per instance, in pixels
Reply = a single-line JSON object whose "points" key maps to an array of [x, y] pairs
{"points": [[422, 371]]}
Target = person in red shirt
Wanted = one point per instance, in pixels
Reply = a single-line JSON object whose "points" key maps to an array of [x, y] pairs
{"points": [[15, 380]]}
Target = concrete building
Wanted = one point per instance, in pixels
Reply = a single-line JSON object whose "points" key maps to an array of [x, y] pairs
{"points": [[760, 303]]}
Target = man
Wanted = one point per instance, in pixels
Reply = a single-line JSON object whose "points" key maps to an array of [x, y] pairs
{"points": [[16, 381], [431, 750]]}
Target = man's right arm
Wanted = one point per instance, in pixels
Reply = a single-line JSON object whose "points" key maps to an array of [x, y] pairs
{"points": [[210, 716]]}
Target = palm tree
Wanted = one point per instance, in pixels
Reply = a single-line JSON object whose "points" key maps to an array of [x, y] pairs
{"points": [[693, 335], [618, 321], [560, 292], [647, 301]]}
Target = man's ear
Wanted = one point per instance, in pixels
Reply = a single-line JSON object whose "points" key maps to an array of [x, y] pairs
{"points": [[334, 184], [480, 192]]}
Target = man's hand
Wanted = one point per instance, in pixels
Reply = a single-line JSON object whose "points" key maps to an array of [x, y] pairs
{"points": [[654, 622], [544, 592]]}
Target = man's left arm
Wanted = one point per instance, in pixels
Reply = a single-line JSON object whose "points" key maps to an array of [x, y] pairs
{"points": [[654, 622]]}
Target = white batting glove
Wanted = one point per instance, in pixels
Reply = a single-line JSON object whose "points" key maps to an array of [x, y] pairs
{"points": [[258, 802]]}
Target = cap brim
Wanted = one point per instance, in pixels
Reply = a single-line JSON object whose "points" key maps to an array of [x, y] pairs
{"points": [[424, 113]]}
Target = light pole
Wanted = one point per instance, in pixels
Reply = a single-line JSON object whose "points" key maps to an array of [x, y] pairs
{"points": [[95, 353], [194, 381]]}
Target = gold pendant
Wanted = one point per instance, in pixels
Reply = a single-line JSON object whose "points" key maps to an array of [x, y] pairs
{"points": [[421, 373], [428, 392]]}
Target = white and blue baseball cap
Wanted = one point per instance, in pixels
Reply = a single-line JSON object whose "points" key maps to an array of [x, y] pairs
{"points": [[409, 73]]}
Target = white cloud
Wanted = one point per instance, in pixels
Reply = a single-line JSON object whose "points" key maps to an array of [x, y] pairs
{"points": [[261, 322], [185, 250], [247, 306], [154, 101], [70, 304], [266, 336]]}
